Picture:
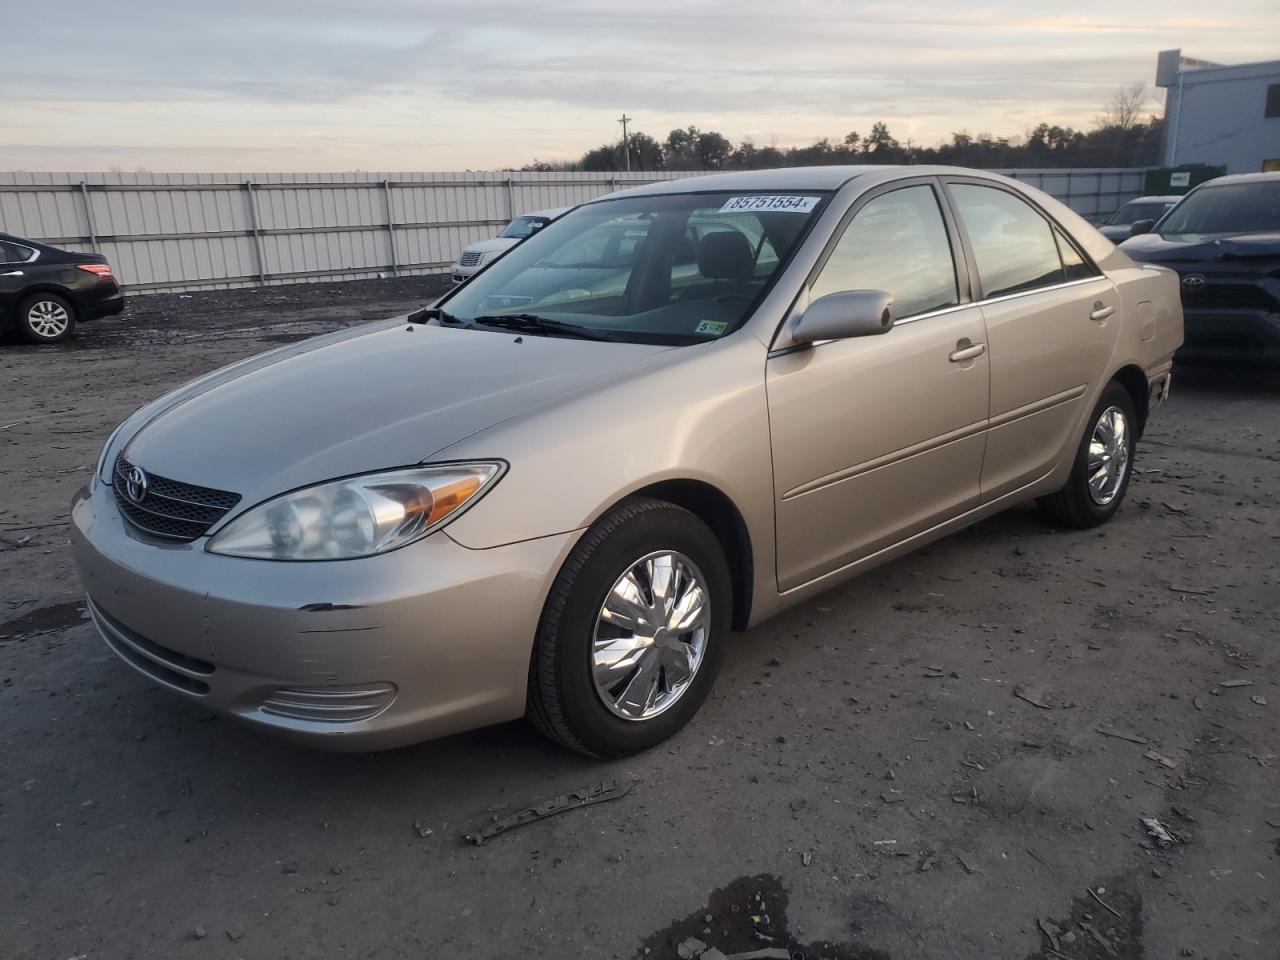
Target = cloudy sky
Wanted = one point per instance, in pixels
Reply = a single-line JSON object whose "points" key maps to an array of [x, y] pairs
{"points": [[258, 85]]}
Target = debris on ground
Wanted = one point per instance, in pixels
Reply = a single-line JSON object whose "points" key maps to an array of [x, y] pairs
{"points": [[1159, 833], [601, 793], [690, 947], [422, 831], [1235, 683], [1123, 735], [1161, 759], [1033, 694]]}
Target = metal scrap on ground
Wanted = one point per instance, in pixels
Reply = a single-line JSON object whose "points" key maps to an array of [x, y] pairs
{"points": [[609, 790]]}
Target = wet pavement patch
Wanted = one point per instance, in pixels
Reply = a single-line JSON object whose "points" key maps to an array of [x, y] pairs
{"points": [[747, 916], [60, 616], [1105, 923]]}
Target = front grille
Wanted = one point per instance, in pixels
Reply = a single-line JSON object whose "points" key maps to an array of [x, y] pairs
{"points": [[469, 258], [170, 508], [1230, 296]]}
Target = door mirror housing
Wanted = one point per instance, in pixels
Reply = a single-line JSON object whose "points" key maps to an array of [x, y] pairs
{"points": [[1140, 226], [839, 316]]}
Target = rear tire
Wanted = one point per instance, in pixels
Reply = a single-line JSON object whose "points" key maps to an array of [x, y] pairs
{"points": [[583, 690], [1104, 463], [46, 318]]}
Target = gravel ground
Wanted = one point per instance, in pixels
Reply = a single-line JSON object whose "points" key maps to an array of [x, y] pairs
{"points": [[911, 766]]}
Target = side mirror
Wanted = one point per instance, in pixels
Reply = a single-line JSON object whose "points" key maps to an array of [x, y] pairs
{"points": [[1140, 226], [838, 316]]}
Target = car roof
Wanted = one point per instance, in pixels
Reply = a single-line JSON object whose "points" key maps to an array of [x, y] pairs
{"points": [[1158, 198], [780, 178], [1242, 178], [550, 213]]}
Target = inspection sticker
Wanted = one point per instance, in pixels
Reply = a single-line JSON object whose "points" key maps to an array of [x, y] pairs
{"points": [[758, 204], [713, 327]]}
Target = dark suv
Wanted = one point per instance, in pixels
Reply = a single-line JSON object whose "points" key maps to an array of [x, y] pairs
{"points": [[45, 292], [1224, 241]]}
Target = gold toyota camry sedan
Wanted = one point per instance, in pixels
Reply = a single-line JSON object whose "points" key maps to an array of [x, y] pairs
{"points": [[666, 416]]}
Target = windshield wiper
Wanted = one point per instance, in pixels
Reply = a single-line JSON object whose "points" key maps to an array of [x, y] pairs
{"points": [[533, 323], [432, 313]]}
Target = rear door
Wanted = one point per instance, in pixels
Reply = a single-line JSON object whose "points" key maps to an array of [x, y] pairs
{"points": [[1052, 322], [15, 275], [879, 438]]}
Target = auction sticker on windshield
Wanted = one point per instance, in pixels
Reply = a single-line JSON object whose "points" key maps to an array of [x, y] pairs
{"points": [[757, 204]]}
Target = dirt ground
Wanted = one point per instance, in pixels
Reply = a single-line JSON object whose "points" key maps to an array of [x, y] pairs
{"points": [[947, 758]]}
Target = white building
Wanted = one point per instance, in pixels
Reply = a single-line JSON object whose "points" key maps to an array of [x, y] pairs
{"points": [[1220, 115]]}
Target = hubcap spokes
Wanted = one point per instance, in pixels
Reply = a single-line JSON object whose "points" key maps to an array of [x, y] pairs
{"points": [[650, 636], [1108, 463], [47, 319]]}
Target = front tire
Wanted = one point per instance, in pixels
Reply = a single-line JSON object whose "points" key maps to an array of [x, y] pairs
{"points": [[1104, 464], [632, 634], [46, 318]]}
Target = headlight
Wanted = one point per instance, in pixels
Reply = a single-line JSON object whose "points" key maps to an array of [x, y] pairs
{"points": [[356, 517]]}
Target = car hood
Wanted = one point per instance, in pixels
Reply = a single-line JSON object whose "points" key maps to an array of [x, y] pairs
{"points": [[490, 246], [351, 403], [1158, 248]]}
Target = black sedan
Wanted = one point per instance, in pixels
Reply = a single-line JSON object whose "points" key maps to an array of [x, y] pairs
{"points": [[45, 292], [1223, 239]]}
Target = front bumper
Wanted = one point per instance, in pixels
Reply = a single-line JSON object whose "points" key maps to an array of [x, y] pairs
{"points": [[462, 274], [422, 642], [1251, 336]]}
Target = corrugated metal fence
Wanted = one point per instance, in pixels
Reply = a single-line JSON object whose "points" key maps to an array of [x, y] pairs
{"points": [[179, 231]]}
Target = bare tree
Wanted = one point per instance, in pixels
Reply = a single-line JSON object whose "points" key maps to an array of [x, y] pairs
{"points": [[1124, 109]]}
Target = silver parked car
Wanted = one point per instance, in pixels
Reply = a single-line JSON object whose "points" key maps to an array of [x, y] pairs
{"points": [[1118, 226], [668, 415]]}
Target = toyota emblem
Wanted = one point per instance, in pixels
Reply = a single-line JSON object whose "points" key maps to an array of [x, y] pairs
{"points": [[135, 483], [1193, 283]]}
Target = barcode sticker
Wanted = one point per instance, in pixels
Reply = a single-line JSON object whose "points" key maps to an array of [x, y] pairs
{"points": [[759, 204]]}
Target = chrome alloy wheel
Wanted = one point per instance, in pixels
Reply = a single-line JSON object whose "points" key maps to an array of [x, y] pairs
{"points": [[48, 319], [651, 634], [1108, 456]]}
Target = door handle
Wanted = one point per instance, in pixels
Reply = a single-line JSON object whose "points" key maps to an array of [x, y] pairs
{"points": [[965, 350], [1101, 311], [12, 273]]}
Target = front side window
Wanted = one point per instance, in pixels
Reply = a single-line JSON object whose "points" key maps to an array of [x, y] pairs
{"points": [[896, 243], [678, 268], [522, 227], [1012, 243], [1229, 208], [1133, 210]]}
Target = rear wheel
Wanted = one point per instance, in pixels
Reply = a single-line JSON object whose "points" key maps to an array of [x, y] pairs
{"points": [[46, 318], [632, 633], [1100, 475]]}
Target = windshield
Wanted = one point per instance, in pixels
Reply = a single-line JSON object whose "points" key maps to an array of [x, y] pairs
{"points": [[1133, 210], [522, 227], [655, 269], [1230, 208]]}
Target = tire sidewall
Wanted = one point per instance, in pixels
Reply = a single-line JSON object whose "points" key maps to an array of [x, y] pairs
{"points": [[24, 324], [664, 528], [1114, 395]]}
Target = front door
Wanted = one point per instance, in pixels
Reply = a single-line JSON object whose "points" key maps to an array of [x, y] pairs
{"points": [[879, 438]]}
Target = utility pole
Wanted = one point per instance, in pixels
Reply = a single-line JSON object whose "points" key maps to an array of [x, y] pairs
{"points": [[626, 145]]}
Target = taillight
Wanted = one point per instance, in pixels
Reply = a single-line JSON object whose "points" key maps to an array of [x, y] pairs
{"points": [[100, 270]]}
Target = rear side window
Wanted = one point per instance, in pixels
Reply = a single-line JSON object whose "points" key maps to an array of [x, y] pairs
{"points": [[1073, 264], [14, 253], [1013, 244], [896, 243]]}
